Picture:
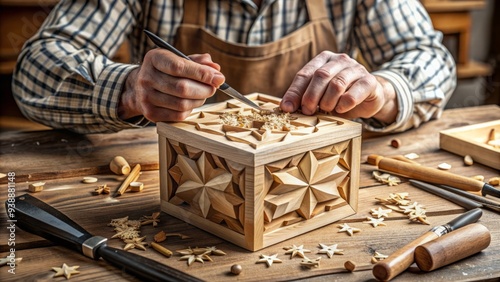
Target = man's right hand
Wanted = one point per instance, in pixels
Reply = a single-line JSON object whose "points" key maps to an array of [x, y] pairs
{"points": [[167, 87]]}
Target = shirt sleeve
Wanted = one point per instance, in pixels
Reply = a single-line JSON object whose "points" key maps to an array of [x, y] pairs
{"points": [[399, 43], [64, 77]]}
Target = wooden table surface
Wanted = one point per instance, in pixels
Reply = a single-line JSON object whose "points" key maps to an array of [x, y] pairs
{"points": [[61, 159]]}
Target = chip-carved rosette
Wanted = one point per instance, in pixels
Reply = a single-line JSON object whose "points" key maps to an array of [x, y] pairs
{"points": [[305, 185], [207, 186]]}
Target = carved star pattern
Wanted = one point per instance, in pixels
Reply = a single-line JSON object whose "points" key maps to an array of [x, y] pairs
{"points": [[204, 186], [269, 260], [330, 250], [302, 187], [66, 270]]}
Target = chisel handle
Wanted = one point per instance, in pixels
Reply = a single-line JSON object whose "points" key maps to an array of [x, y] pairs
{"points": [[427, 174]]}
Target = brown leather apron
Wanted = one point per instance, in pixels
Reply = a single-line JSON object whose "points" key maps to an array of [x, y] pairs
{"points": [[268, 68]]}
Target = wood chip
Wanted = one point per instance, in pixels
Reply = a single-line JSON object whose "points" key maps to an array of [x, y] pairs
{"points": [[468, 160], [136, 186], [162, 250], [396, 143], [89, 179], [412, 156], [478, 177], [444, 166], [349, 265], [495, 181], [36, 187]]}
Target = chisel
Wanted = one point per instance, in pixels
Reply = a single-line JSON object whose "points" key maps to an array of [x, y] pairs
{"points": [[37, 217]]}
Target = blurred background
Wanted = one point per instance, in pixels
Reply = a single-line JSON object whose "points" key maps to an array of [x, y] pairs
{"points": [[469, 28]]}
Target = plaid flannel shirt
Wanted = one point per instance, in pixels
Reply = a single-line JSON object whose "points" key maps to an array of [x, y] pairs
{"points": [[65, 77]]}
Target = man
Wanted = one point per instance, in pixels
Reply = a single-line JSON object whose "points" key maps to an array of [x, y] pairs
{"points": [[301, 51]]}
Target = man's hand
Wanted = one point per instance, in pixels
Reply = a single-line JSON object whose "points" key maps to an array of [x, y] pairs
{"points": [[339, 84], [167, 87]]}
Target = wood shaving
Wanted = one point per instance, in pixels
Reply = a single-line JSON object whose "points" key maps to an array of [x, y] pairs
{"points": [[151, 219], [400, 202], [264, 120], [310, 263], [162, 250], [386, 178], [478, 177], [135, 243], [101, 189]]}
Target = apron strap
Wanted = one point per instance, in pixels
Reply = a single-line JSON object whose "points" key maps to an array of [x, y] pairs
{"points": [[195, 12]]}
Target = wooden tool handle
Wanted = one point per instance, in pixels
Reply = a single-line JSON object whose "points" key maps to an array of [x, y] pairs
{"points": [[399, 261], [452, 247], [431, 175]]}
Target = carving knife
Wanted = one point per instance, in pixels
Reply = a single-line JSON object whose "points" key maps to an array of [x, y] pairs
{"points": [[400, 260], [228, 90], [37, 217]]}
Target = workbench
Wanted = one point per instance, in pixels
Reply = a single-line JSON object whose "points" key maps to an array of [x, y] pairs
{"points": [[61, 159]]}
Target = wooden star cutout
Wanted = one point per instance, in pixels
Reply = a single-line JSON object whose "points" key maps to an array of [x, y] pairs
{"points": [[350, 230], [269, 260], [309, 263], [135, 243], [330, 250], [380, 212], [296, 251], [66, 270], [375, 221]]}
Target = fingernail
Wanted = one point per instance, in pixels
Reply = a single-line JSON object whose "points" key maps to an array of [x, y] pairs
{"points": [[287, 106], [217, 80]]}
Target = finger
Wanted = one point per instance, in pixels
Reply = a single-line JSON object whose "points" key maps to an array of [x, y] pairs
{"points": [[169, 63], [171, 102], [338, 85], [357, 93], [157, 114], [292, 98], [205, 59], [181, 87]]}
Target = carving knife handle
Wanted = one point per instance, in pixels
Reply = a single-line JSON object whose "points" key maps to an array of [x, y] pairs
{"points": [[37, 217]]}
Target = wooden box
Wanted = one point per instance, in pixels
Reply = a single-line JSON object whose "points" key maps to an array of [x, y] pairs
{"points": [[476, 140], [257, 187]]}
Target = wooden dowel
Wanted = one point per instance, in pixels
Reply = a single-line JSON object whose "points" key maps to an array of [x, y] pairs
{"points": [[134, 174], [431, 175]]}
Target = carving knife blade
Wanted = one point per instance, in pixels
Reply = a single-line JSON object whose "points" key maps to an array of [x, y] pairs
{"points": [[37, 217], [228, 90]]}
